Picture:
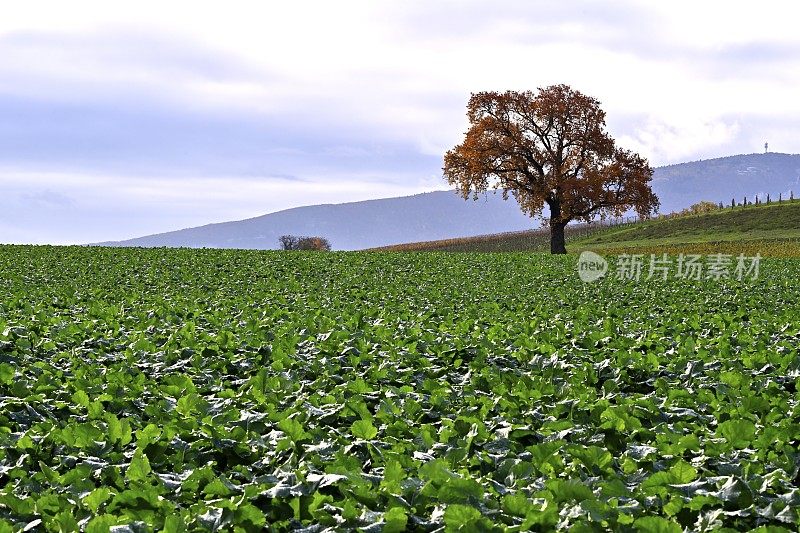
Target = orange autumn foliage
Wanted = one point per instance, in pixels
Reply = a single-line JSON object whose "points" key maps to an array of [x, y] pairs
{"points": [[549, 148]]}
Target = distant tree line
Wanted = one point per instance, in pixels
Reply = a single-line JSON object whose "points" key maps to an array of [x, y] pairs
{"points": [[706, 206], [760, 200], [292, 242]]}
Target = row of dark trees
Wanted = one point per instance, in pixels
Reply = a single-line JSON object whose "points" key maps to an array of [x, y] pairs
{"points": [[760, 201], [292, 242]]}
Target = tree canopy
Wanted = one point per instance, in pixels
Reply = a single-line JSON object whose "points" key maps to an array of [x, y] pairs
{"points": [[292, 242], [551, 149]]}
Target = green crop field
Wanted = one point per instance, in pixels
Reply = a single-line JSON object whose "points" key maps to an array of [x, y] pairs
{"points": [[203, 390]]}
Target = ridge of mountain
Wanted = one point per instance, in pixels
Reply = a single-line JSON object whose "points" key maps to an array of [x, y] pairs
{"points": [[443, 214]]}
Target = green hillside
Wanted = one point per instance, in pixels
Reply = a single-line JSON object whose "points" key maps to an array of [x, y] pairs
{"points": [[771, 229], [774, 220], [513, 241]]}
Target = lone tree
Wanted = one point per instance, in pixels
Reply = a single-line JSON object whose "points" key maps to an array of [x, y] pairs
{"points": [[549, 148], [288, 242], [292, 242], [313, 243]]}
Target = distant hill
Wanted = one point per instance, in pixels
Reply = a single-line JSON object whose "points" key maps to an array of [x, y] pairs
{"points": [[722, 179], [444, 215], [356, 225]]}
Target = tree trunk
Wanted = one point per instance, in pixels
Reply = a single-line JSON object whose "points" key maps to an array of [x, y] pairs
{"points": [[557, 244]]}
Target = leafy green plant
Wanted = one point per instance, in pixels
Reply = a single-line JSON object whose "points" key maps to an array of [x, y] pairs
{"points": [[203, 390]]}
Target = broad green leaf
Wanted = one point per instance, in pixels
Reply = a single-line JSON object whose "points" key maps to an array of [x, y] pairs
{"points": [[218, 487], [173, 524], [251, 514], [460, 490], [139, 469], [592, 456], [568, 490], [395, 520], [435, 471], [293, 429], [96, 498], [516, 504], [682, 472], [363, 429], [119, 431], [147, 435], [656, 524], [101, 524], [739, 433], [63, 521], [461, 517], [6, 373], [81, 398], [19, 506]]}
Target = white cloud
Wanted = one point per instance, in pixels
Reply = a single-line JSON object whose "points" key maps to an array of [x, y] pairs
{"points": [[78, 208], [358, 98], [685, 140]]}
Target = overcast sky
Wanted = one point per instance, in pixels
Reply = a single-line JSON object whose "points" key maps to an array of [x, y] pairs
{"points": [[119, 119]]}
